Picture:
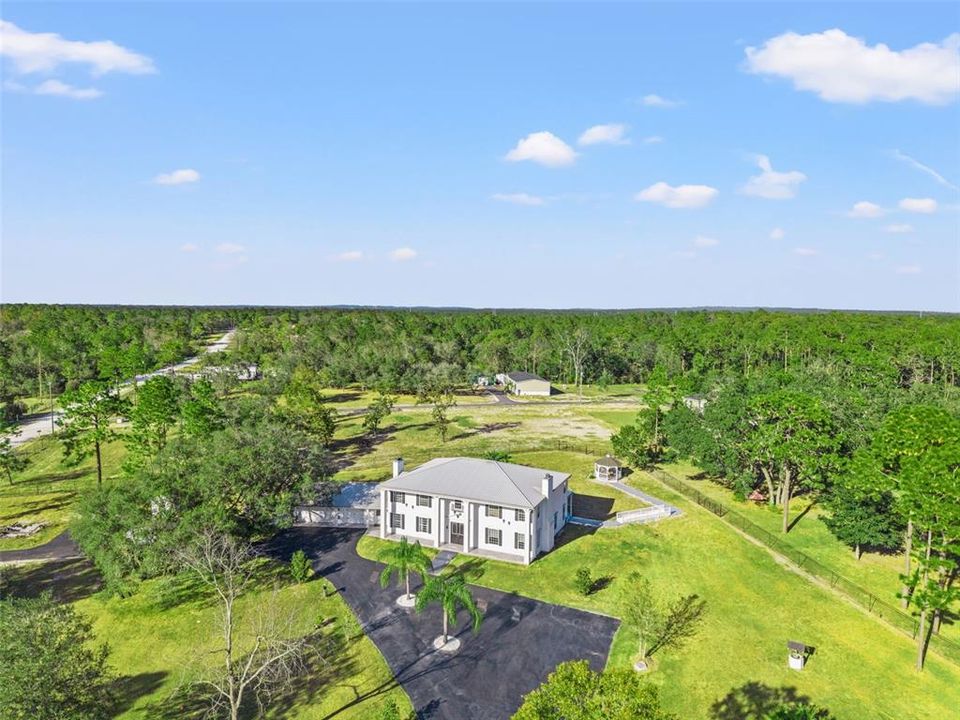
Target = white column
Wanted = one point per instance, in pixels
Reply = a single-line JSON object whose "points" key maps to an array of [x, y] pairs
{"points": [[384, 515], [438, 514], [467, 526]]}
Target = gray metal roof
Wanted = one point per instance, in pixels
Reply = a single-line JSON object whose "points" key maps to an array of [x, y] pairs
{"points": [[486, 481], [521, 376], [608, 460]]}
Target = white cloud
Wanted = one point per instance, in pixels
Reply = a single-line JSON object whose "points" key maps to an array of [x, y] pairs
{"points": [[924, 168], [908, 270], [702, 241], [865, 209], [189, 248], [652, 140], [612, 134], [55, 87], [518, 198], [229, 248], [177, 177], [875, 256], [842, 68], [919, 205], [350, 256], [658, 101], [771, 184], [899, 228], [777, 234], [681, 196], [44, 52], [404, 253], [544, 148], [805, 251]]}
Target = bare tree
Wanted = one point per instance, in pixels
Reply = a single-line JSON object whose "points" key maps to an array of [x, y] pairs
{"points": [[577, 344], [259, 656]]}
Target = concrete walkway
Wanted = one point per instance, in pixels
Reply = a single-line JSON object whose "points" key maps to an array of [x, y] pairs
{"points": [[649, 499], [519, 643]]}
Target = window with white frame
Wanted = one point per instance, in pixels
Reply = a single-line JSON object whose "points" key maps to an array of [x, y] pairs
{"points": [[396, 521], [494, 511], [424, 501], [519, 515], [494, 537], [458, 505], [398, 497], [519, 541], [423, 525]]}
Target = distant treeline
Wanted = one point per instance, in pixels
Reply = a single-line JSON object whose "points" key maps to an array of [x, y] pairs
{"points": [[404, 349]]}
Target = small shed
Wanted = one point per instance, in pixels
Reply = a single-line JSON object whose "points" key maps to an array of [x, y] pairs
{"points": [[607, 468], [524, 383]]}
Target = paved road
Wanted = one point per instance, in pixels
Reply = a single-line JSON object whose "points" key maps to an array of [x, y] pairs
{"points": [[42, 424], [519, 643], [61, 547]]}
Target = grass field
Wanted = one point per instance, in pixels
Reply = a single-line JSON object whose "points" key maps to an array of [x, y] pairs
{"points": [[861, 668], [47, 489], [878, 573], [161, 637]]}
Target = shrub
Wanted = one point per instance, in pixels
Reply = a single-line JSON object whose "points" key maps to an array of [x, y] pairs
{"points": [[389, 711], [300, 567], [583, 581], [498, 455]]}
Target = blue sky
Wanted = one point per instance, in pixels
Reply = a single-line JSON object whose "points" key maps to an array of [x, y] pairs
{"points": [[427, 154]]}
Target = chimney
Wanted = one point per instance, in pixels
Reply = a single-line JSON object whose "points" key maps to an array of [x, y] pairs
{"points": [[397, 466], [546, 485]]}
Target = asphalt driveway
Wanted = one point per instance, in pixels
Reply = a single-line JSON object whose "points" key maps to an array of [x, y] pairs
{"points": [[519, 643]]}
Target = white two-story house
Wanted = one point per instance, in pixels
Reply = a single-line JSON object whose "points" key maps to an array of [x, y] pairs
{"points": [[478, 507]]}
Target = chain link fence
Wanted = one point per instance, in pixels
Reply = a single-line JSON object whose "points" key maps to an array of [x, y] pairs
{"points": [[904, 622]]}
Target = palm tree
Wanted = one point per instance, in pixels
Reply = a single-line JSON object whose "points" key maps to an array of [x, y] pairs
{"points": [[402, 559], [453, 594]]}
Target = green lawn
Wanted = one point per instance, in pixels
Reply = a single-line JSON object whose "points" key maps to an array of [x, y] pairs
{"points": [[876, 573], [47, 489], [162, 637], [352, 398], [861, 668], [617, 392], [616, 419]]}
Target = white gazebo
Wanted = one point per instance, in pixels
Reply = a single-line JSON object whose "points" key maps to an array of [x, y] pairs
{"points": [[607, 468]]}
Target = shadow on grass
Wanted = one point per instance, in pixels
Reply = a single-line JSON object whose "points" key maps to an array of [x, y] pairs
{"points": [[61, 500], [593, 507], [176, 590], [572, 533], [799, 516], [755, 701], [342, 397], [130, 688], [66, 580], [601, 583], [187, 703], [327, 663]]}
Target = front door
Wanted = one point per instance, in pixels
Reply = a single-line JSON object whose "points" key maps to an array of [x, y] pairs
{"points": [[456, 533]]}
